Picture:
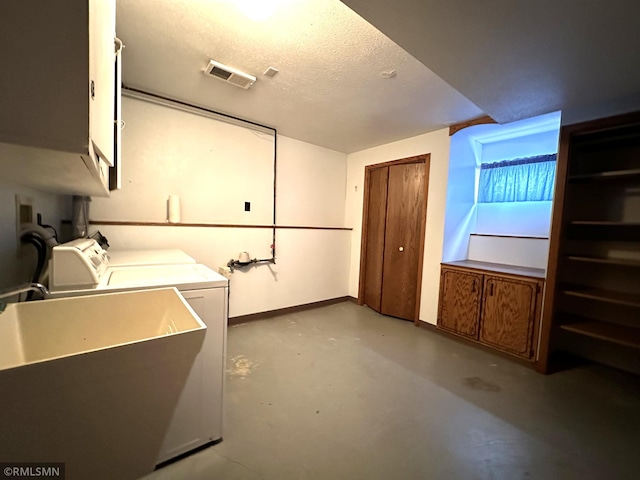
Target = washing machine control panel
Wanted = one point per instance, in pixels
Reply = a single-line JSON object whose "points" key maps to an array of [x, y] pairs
{"points": [[77, 264]]}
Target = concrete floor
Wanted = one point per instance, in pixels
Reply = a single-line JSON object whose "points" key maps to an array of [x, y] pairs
{"points": [[341, 392]]}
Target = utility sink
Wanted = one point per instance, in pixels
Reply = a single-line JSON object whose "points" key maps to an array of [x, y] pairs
{"points": [[45, 331], [93, 381]]}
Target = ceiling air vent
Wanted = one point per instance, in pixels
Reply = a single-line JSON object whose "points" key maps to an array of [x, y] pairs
{"points": [[229, 75]]}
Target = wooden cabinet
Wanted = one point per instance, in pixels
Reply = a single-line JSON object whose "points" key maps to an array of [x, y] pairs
{"points": [[57, 107], [498, 310], [592, 304]]}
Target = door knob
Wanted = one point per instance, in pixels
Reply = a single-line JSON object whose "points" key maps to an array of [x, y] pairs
{"points": [[401, 249]]}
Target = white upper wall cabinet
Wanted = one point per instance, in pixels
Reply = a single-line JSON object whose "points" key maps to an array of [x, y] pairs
{"points": [[57, 94]]}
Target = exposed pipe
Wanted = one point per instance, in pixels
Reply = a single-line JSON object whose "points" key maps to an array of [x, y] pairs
{"points": [[126, 89], [275, 172], [41, 249], [46, 235], [233, 263]]}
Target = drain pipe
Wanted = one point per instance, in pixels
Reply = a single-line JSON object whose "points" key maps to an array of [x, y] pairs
{"points": [[275, 173], [233, 263]]}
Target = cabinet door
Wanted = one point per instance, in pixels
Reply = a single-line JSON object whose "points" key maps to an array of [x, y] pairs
{"points": [[459, 306], [508, 314], [102, 32]]}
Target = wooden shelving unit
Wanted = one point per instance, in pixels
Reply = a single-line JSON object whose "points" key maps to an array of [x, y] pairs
{"points": [[599, 294], [609, 175], [622, 262], [626, 336], [622, 230], [608, 223], [592, 301]]}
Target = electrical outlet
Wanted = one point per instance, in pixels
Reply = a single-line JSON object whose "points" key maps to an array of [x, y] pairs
{"points": [[225, 271], [24, 214]]}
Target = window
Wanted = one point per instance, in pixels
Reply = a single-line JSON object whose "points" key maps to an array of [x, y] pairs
{"points": [[521, 180]]}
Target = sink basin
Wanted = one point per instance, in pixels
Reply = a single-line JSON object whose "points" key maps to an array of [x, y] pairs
{"points": [[93, 381], [43, 331]]}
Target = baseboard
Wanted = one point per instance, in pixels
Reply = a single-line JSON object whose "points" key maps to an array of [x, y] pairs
{"points": [[428, 326], [280, 311], [478, 345]]}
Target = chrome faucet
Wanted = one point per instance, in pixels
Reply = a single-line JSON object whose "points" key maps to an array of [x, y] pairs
{"points": [[29, 287]]}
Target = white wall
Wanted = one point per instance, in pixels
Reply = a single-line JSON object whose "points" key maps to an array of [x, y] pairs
{"points": [[460, 219], [436, 144], [316, 176], [527, 219], [311, 265], [54, 208], [524, 252], [213, 166]]}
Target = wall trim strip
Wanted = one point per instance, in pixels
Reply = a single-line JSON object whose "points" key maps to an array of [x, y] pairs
{"points": [[281, 311], [205, 225]]}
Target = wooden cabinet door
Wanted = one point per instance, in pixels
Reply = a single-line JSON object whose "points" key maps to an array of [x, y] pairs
{"points": [[376, 215], [508, 314], [459, 306], [403, 240]]}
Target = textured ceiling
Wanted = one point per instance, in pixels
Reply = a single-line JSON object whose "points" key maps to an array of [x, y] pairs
{"points": [[517, 59], [329, 90]]}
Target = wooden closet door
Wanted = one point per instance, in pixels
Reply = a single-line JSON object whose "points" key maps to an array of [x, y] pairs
{"points": [[403, 240], [376, 216]]}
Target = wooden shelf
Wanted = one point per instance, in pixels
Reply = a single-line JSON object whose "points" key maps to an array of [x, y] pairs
{"points": [[607, 223], [589, 230], [624, 262], [611, 175], [619, 298], [609, 332], [610, 138]]}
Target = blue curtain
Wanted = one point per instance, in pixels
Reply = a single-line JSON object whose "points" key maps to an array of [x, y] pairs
{"points": [[521, 180]]}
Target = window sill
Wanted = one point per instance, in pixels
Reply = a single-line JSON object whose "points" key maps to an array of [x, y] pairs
{"points": [[508, 236]]}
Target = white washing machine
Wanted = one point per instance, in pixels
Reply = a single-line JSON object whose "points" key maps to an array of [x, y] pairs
{"points": [[82, 267], [127, 258]]}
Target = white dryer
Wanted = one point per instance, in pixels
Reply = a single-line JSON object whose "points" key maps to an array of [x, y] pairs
{"points": [[82, 267], [127, 258]]}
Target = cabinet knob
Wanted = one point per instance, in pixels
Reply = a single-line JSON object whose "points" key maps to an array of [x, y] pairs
{"points": [[401, 249]]}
